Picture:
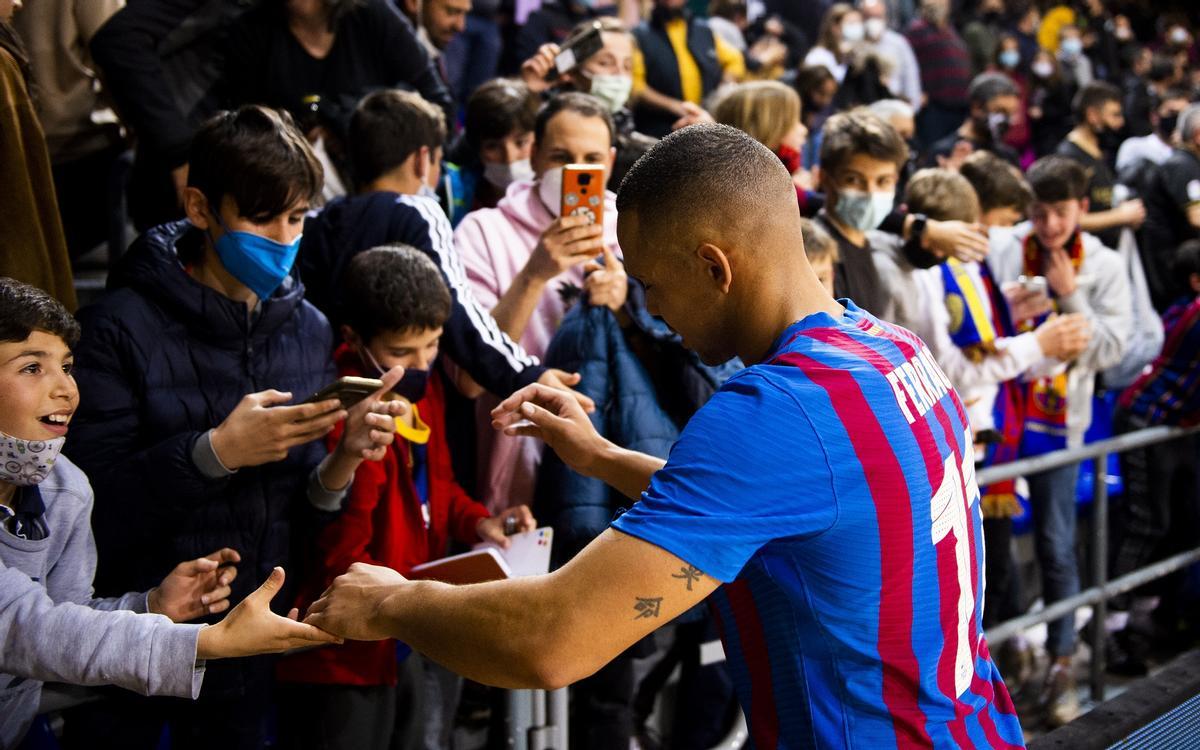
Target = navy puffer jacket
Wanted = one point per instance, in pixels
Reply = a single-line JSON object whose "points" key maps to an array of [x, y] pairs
{"points": [[162, 359]]}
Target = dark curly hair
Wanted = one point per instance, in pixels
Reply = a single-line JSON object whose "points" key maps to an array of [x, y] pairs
{"points": [[393, 288], [25, 308]]}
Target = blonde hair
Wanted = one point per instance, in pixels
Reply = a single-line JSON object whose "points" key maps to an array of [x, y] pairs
{"points": [[765, 110], [943, 195], [818, 245]]}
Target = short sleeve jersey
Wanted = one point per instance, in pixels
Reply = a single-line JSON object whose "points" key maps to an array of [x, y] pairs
{"points": [[831, 488], [1176, 188], [1101, 182]]}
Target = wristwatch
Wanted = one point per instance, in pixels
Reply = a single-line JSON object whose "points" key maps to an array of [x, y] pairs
{"points": [[918, 228]]}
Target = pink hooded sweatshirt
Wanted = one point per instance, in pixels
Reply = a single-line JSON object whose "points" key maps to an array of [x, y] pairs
{"points": [[494, 244]]}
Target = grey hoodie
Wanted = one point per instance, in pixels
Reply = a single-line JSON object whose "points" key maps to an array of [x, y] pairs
{"points": [[51, 627]]}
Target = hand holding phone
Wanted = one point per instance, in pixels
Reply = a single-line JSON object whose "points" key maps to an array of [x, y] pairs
{"points": [[583, 192], [348, 390], [576, 50]]}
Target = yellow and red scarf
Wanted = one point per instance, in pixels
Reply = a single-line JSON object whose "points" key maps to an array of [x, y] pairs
{"points": [[1046, 399]]}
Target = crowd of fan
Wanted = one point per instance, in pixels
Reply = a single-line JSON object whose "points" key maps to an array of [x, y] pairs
{"points": [[341, 187]]}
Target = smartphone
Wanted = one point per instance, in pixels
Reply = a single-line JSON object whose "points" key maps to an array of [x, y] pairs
{"points": [[583, 191], [576, 51], [1033, 283], [348, 390]]}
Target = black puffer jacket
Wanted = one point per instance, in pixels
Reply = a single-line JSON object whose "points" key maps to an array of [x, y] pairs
{"points": [[162, 359]]}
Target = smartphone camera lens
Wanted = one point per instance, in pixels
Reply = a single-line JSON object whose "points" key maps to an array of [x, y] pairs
{"points": [[585, 179]]}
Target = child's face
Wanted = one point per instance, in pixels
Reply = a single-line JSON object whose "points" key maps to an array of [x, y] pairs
{"points": [[1054, 223], [38, 395], [823, 268], [409, 349], [1002, 216]]}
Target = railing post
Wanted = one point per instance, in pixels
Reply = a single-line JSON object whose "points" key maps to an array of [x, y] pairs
{"points": [[1099, 573]]}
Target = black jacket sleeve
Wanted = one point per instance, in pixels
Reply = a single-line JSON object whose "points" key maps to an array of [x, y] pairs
{"points": [[471, 336]]}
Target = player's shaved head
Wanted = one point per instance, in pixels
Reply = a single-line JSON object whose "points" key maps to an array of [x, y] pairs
{"points": [[709, 224], [704, 183]]}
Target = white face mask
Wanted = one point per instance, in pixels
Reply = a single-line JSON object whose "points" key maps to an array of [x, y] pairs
{"points": [[874, 27], [612, 90], [1043, 69], [864, 211], [27, 462], [550, 190], [852, 32], [502, 175]]}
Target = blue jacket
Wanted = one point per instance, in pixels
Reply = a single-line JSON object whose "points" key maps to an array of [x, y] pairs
{"points": [[163, 359], [636, 408]]}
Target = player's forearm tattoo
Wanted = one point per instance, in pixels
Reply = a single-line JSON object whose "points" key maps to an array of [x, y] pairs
{"points": [[647, 607], [690, 574]]}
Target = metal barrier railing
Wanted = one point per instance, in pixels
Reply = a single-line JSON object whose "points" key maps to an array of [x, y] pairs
{"points": [[1103, 589]]}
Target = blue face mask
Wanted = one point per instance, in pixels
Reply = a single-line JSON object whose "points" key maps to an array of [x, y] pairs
{"points": [[1009, 58], [864, 211], [258, 262]]}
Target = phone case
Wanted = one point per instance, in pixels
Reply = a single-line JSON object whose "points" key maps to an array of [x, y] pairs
{"points": [[583, 191]]}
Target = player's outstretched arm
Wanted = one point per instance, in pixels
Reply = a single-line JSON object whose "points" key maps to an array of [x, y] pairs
{"points": [[557, 419], [539, 632]]}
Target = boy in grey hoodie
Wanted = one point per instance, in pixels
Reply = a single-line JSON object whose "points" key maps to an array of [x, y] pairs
{"points": [[51, 626]]}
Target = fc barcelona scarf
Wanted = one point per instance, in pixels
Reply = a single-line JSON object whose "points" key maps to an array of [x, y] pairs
{"points": [[1046, 398], [976, 320]]}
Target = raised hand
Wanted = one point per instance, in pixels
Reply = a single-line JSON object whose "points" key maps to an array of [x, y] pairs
{"points": [[197, 587], [351, 606], [556, 418]]}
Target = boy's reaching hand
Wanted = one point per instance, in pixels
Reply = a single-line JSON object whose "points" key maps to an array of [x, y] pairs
{"points": [[196, 588]]}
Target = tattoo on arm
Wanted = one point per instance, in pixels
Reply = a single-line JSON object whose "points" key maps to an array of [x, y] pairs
{"points": [[647, 607], [690, 575]]}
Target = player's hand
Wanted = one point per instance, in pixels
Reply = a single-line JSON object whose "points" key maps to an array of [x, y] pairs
{"points": [[566, 382], [196, 588], [351, 606], [607, 285], [956, 239], [260, 429], [535, 69], [1064, 337], [251, 628], [568, 242], [496, 529], [554, 417]]}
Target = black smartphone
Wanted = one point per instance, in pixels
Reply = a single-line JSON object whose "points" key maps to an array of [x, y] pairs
{"points": [[576, 51], [348, 390]]}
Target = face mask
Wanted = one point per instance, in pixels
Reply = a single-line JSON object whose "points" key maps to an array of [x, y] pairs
{"points": [[852, 32], [27, 462], [258, 262], [1042, 69], [1179, 36], [874, 28], [502, 175], [1009, 58], [612, 90], [790, 158], [412, 384], [864, 211], [1166, 126], [1071, 47], [550, 190], [997, 125], [1123, 33], [1108, 138]]}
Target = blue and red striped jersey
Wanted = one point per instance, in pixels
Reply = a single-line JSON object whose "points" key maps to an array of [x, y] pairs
{"points": [[832, 489]]}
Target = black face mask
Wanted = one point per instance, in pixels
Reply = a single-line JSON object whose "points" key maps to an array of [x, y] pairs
{"points": [[1166, 126], [1108, 138]]}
